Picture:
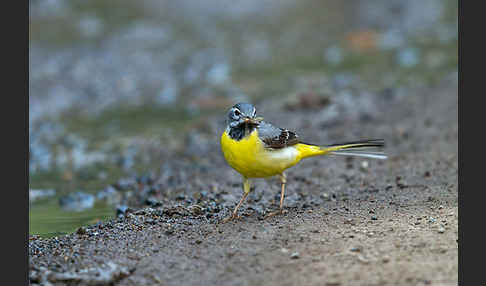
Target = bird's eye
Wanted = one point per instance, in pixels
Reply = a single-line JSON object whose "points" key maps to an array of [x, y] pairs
{"points": [[237, 112]]}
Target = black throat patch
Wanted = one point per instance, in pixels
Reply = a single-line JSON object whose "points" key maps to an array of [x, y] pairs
{"points": [[239, 132]]}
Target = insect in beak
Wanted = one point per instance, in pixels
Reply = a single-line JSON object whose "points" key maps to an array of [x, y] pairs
{"points": [[255, 120]]}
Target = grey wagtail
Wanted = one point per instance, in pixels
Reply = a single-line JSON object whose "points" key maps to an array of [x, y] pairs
{"points": [[257, 149]]}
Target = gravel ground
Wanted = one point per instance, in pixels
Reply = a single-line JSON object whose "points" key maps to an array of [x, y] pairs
{"points": [[349, 221]]}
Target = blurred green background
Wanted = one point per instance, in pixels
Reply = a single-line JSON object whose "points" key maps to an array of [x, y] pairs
{"points": [[113, 86]]}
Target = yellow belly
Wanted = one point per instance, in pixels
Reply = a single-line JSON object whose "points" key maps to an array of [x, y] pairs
{"points": [[251, 159]]}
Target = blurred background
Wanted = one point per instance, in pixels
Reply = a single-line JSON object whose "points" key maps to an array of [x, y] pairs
{"points": [[117, 88]]}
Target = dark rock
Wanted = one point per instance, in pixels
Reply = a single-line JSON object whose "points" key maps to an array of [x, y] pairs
{"points": [[121, 210], [153, 202], [81, 231]]}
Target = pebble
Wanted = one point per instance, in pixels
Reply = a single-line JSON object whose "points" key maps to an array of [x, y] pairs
{"points": [[374, 218], [348, 221], [325, 196], [196, 209], [81, 231], [295, 255], [441, 230], [121, 210], [169, 231], [153, 202], [364, 165]]}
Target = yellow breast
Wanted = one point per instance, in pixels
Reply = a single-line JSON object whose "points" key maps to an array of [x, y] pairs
{"points": [[251, 159]]}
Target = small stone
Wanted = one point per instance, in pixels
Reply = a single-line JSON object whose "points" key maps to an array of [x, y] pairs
{"points": [[441, 230], [325, 196], [140, 212], [355, 249], [348, 221], [150, 221], [169, 231], [284, 250], [364, 165], [431, 219], [295, 255], [81, 231], [152, 202], [196, 209], [156, 278], [363, 260], [374, 218]]}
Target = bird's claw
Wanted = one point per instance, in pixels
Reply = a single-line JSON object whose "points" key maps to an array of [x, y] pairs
{"points": [[230, 218], [281, 211]]}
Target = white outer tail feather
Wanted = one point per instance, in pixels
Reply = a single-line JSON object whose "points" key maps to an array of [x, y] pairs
{"points": [[373, 155]]}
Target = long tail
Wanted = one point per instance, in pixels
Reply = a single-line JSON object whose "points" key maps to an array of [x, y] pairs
{"points": [[372, 148], [367, 148]]}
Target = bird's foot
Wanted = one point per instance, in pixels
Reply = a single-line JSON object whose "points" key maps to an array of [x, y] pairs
{"points": [[280, 211], [234, 216]]}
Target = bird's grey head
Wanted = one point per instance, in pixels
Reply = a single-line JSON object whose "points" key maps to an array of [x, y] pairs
{"points": [[242, 113]]}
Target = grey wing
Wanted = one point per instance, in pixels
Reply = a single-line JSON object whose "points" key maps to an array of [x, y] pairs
{"points": [[275, 137]]}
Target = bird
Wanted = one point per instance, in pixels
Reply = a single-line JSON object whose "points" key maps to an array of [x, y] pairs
{"points": [[258, 149]]}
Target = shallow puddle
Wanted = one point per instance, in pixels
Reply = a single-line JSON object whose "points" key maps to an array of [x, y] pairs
{"points": [[47, 219]]}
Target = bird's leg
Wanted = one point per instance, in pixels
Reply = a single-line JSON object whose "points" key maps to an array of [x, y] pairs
{"points": [[283, 180], [246, 189]]}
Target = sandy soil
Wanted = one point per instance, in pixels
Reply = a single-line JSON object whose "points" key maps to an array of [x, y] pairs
{"points": [[349, 221]]}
